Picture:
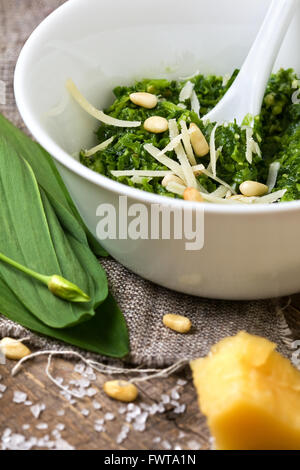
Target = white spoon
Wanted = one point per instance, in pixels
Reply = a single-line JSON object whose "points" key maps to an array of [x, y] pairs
{"points": [[246, 93]]}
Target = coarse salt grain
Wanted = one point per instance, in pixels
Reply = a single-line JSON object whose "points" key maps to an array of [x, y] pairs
{"points": [[61, 444], [97, 405], [2, 388], [99, 425], [175, 395], [85, 412], [19, 397], [109, 416], [166, 445], [181, 382], [37, 409], [161, 408], [139, 426], [180, 409], [2, 358], [79, 368], [42, 426], [194, 445], [99, 428], [91, 392], [89, 373], [123, 434], [82, 383], [60, 427], [165, 399]]}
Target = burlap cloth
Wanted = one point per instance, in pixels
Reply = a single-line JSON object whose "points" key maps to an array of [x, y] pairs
{"points": [[142, 302]]}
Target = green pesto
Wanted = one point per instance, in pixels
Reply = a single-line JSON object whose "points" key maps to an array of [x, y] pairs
{"points": [[276, 130]]}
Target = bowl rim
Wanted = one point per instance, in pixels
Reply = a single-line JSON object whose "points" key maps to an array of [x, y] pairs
{"points": [[65, 159]]}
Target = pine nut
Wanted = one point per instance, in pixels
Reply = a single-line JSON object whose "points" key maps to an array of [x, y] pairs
{"points": [[13, 349], [198, 141], [177, 323], [121, 390], [172, 178], [156, 124], [253, 188], [191, 194], [146, 100]]}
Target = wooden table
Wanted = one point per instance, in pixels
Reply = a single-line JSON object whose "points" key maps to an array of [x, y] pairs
{"points": [[164, 430], [187, 430]]}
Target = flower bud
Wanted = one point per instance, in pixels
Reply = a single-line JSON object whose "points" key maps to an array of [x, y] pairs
{"points": [[66, 290]]}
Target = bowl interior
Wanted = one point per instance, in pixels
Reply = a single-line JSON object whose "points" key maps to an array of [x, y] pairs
{"points": [[101, 44]]}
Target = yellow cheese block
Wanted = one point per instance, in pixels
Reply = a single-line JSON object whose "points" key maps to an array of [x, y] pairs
{"points": [[250, 395]]}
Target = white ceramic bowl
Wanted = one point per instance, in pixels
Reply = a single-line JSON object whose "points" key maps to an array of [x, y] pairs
{"points": [[249, 252]]}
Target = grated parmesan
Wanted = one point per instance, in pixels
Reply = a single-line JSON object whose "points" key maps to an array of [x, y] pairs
{"points": [[168, 162], [96, 113], [171, 145], [213, 153], [195, 103], [187, 143], [221, 191], [175, 188], [218, 200], [102, 146], [141, 173], [226, 79], [189, 176], [210, 175], [270, 198], [272, 176], [186, 91], [249, 144]]}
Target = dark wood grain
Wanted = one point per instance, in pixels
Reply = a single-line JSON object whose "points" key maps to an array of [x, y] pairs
{"points": [[79, 430]]}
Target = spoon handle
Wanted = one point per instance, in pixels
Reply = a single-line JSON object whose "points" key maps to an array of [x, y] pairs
{"points": [[246, 93], [264, 50]]}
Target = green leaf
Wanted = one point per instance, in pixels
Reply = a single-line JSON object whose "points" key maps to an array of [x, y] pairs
{"points": [[32, 235], [46, 174], [66, 245], [106, 333]]}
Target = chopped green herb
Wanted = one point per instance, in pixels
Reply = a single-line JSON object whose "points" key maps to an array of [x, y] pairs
{"points": [[276, 134]]}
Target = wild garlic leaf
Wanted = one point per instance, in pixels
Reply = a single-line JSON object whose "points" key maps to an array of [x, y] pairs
{"points": [[46, 173], [32, 235], [106, 333], [66, 244]]}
